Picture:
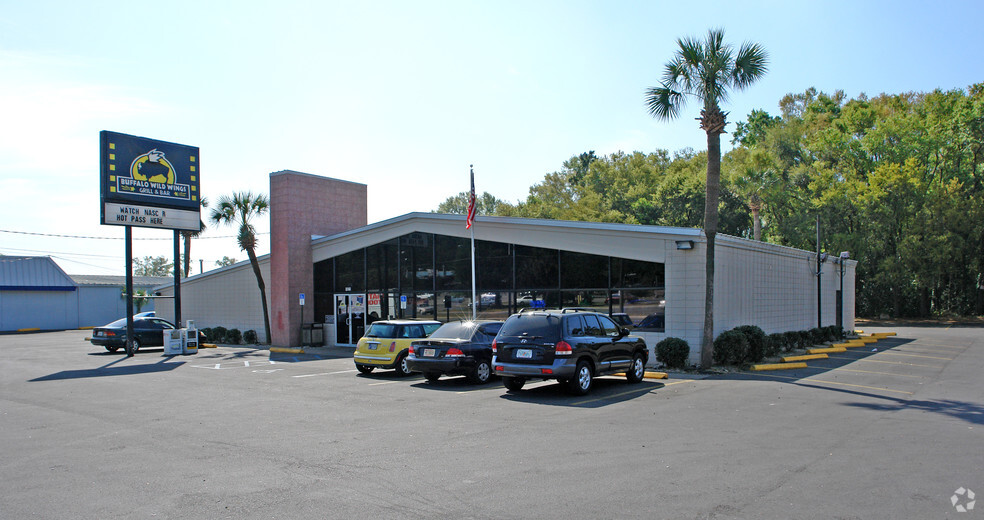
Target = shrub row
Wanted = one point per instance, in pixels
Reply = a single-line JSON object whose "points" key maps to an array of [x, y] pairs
{"points": [[229, 336], [749, 344]]}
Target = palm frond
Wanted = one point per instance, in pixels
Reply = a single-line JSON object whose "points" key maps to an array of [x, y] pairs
{"points": [[664, 103], [751, 63]]}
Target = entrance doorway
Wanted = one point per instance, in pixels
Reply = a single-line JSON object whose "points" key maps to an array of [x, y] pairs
{"points": [[350, 318]]}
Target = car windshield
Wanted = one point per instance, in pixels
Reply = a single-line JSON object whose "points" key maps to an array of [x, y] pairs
{"points": [[118, 323], [539, 325], [455, 330], [382, 330]]}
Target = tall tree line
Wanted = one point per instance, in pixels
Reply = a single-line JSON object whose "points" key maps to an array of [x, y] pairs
{"points": [[897, 180]]}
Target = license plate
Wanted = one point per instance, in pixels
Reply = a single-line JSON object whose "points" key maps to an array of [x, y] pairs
{"points": [[524, 353], [429, 352], [372, 346]]}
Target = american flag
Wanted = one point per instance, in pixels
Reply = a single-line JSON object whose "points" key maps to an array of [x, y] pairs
{"points": [[471, 201]]}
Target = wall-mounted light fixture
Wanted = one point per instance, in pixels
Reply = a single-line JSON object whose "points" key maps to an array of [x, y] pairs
{"points": [[685, 244]]}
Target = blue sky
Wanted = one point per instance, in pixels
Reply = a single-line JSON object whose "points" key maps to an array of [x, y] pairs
{"points": [[401, 96]]}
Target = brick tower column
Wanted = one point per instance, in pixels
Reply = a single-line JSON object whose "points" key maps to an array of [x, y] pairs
{"points": [[302, 205]]}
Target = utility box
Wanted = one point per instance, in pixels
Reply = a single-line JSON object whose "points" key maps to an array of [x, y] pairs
{"points": [[174, 341]]}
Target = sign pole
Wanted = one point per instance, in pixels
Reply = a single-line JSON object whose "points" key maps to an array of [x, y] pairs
{"points": [[177, 279], [129, 291]]}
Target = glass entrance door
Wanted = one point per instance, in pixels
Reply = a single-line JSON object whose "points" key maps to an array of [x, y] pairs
{"points": [[350, 318]]}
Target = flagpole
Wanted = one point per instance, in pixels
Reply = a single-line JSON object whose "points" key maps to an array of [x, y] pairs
{"points": [[472, 229]]}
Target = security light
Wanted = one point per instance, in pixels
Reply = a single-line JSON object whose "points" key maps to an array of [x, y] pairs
{"points": [[685, 244]]}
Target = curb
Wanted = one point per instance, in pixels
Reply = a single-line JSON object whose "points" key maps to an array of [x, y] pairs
{"points": [[789, 359], [31, 329], [284, 350], [831, 350], [778, 366], [648, 375]]}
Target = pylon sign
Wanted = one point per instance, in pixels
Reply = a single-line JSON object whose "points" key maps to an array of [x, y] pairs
{"points": [[148, 183]]}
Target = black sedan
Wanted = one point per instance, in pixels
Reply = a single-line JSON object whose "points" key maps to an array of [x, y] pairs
{"points": [[457, 348], [147, 332]]}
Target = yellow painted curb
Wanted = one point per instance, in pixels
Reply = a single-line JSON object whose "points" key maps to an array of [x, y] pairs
{"points": [[778, 366], [789, 359], [33, 329], [90, 327], [648, 375], [868, 339], [882, 334], [848, 344], [283, 350], [825, 350], [859, 331], [206, 345]]}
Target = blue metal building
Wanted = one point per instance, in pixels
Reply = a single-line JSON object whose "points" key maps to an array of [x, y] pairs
{"points": [[35, 293]]}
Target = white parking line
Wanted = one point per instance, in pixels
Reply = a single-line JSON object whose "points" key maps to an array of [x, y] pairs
{"points": [[327, 373]]}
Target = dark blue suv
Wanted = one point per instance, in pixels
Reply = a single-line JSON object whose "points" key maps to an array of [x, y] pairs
{"points": [[573, 347]]}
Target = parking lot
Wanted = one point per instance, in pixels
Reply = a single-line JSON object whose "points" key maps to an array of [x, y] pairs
{"points": [[245, 433]]}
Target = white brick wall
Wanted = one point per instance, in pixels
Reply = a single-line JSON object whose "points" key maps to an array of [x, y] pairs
{"points": [[229, 298]]}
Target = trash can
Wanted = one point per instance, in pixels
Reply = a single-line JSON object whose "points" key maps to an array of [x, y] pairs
{"points": [[313, 333], [174, 342]]}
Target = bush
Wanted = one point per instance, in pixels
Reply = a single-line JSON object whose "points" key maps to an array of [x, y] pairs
{"points": [[792, 340], [774, 344], [207, 331], [730, 348], [817, 336], [249, 337], [219, 334], [805, 340], [673, 352], [756, 342], [234, 337]]}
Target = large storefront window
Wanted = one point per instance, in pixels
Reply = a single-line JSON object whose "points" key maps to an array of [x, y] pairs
{"points": [[536, 267], [433, 273]]}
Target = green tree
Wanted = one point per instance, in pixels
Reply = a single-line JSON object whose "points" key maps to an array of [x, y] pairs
{"points": [[707, 70], [239, 210], [485, 204], [152, 266], [225, 262]]}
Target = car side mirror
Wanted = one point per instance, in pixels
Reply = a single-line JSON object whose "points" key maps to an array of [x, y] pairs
{"points": [[623, 332]]}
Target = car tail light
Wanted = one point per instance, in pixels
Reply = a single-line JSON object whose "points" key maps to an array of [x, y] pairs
{"points": [[563, 348], [495, 348], [500, 369], [454, 352], [108, 333], [411, 349], [546, 371]]}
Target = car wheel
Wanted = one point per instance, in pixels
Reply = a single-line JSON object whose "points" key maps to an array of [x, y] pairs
{"points": [[482, 373], [136, 344], [402, 369], [637, 371], [514, 383], [580, 384], [364, 369], [432, 376]]}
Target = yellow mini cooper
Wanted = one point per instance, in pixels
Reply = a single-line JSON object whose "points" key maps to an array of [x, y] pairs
{"points": [[387, 343]]}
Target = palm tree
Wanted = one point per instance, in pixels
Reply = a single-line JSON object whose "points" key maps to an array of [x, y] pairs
{"points": [[707, 70], [239, 209], [188, 235]]}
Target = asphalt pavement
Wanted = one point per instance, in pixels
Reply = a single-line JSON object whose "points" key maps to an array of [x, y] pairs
{"points": [[239, 432]]}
